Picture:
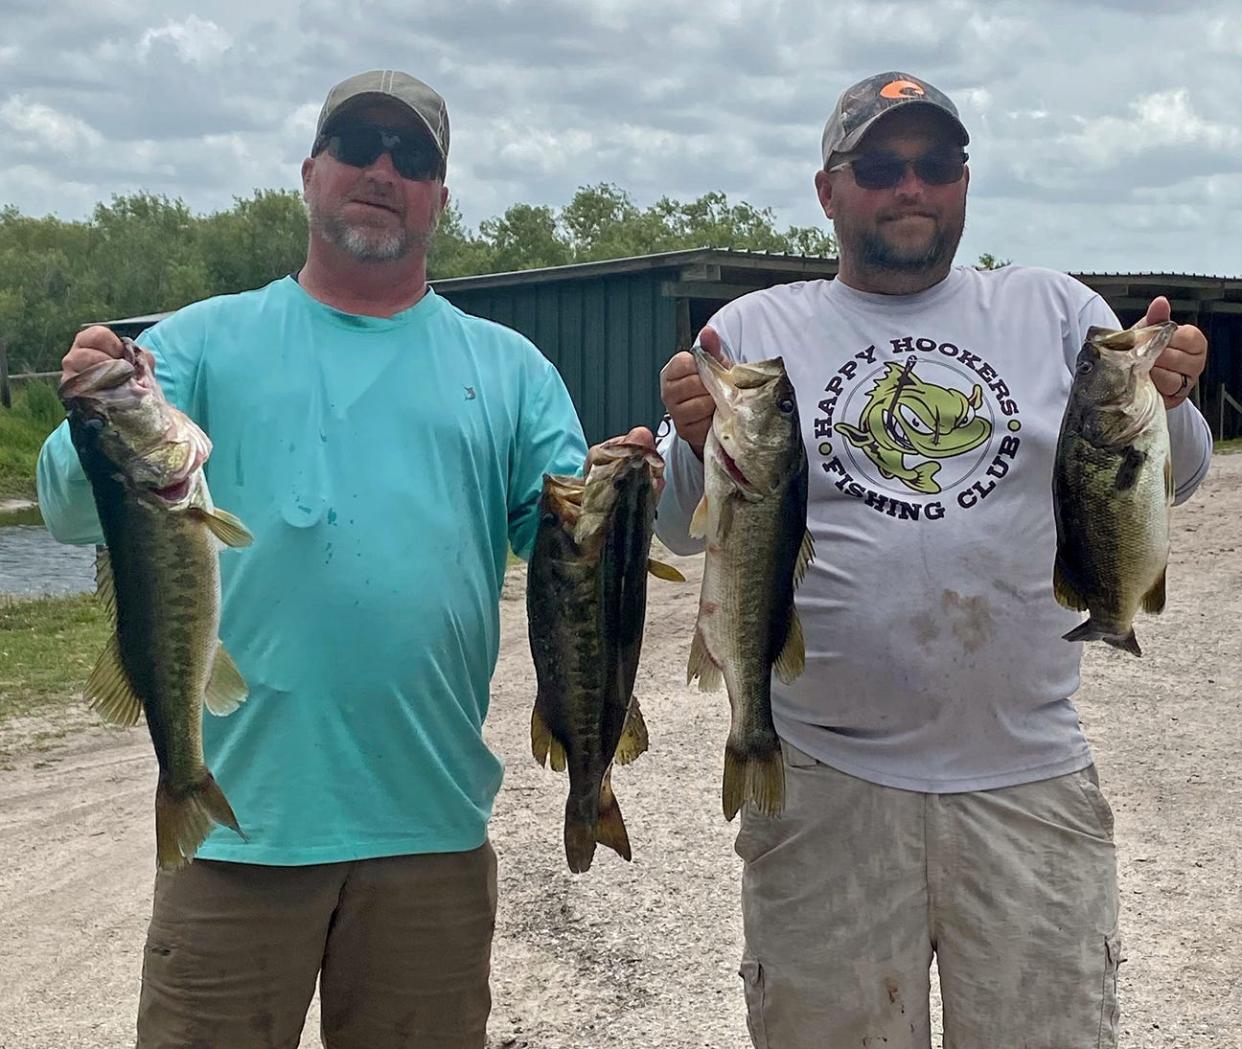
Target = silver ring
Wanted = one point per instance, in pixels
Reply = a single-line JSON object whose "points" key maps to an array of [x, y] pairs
{"points": [[1181, 390]]}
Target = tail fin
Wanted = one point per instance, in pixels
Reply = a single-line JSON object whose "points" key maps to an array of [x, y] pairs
{"points": [[924, 478], [610, 830], [1089, 631], [591, 820], [182, 822], [756, 775]]}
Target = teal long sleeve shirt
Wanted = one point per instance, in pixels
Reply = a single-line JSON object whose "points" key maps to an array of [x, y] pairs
{"points": [[384, 466]]}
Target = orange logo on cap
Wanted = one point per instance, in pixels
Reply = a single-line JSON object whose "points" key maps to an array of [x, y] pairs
{"points": [[901, 89]]}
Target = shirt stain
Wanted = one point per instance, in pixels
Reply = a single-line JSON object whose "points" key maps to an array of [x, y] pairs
{"points": [[970, 619]]}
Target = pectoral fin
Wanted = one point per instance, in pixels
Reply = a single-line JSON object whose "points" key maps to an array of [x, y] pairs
{"points": [[225, 527], [792, 660], [633, 740], [1066, 592], [226, 688], [698, 523], [662, 571], [806, 553], [545, 746], [1153, 600], [702, 666]]}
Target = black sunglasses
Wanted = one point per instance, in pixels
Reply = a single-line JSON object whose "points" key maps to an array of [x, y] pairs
{"points": [[360, 145], [886, 170]]}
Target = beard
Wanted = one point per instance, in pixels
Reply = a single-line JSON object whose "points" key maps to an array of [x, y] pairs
{"points": [[876, 252], [366, 243]]}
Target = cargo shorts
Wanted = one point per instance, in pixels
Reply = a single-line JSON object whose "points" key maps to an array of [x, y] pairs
{"points": [[850, 892], [400, 945]]}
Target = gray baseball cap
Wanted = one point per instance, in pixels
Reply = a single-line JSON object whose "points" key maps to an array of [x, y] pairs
{"points": [[390, 85], [860, 106]]}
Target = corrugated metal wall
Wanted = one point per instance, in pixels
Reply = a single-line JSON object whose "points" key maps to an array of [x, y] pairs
{"points": [[609, 338]]}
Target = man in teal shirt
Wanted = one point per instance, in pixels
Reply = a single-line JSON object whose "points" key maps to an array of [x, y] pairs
{"points": [[385, 449]]}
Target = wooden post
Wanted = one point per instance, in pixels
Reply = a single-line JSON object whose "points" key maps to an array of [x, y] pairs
{"points": [[6, 397], [683, 335]]}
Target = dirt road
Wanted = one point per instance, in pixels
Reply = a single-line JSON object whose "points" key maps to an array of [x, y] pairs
{"points": [[645, 954]]}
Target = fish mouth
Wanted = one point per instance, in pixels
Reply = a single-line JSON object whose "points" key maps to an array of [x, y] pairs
{"points": [[174, 492], [733, 470], [98, 378], [1144, 344], [565, 497]]}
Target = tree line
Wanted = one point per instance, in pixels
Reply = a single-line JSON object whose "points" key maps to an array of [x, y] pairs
{"points": [[145, 253]]}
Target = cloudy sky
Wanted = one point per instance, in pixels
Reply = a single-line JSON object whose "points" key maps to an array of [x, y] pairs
{"points": [[1106, 135]]}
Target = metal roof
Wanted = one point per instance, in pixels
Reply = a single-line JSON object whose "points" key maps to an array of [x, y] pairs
{"points": [[808, 266]]}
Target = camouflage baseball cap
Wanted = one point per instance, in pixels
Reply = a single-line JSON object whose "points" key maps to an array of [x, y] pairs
{"points": [[863, 104], [390, 85]]}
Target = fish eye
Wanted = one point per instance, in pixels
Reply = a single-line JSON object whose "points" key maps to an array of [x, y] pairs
{"points": [[1084, 367], [911, 419], [786, 405]]}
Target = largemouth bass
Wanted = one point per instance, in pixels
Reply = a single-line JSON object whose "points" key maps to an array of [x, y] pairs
{"points": [[586, 599], [753, 516], [160, 579], [1112, 486]]}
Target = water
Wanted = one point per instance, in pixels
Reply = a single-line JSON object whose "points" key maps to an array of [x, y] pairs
{"points": [[32, 562]]}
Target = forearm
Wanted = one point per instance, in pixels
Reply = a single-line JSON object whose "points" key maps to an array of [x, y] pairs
{"points": [[1190, 442], [683, 476]]}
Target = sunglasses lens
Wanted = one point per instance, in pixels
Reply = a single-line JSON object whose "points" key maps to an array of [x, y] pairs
{"points": [[356, 146], [360, 146], [414, 162], [939, 170], [881, 171], [878, 172]]}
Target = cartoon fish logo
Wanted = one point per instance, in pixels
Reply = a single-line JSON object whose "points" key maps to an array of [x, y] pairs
{"points": [[907, 418]]}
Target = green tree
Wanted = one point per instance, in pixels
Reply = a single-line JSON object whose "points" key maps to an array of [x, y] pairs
{"points": [[525, 237], [261, 239], [455, 251], [146, 253], [988, 261]]}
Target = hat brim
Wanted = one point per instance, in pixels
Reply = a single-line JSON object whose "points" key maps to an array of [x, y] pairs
{"points": [[368, 97]]}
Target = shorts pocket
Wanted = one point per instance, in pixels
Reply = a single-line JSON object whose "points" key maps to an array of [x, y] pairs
{"points": [[751, 972], [1099, 805], [1110, 1013], [797, 759]]}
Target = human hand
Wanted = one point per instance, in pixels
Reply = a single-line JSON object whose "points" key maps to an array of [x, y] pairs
{"points": [[1177, 369], [93, 346]]}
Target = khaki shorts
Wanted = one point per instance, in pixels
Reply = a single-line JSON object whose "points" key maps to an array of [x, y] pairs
{"points": [[847, 896], [401, 946]]}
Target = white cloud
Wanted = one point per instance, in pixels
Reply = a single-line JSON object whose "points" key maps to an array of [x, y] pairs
{"points": [[1161, 119], [196, 41], [44, 130], [1079, 152]]}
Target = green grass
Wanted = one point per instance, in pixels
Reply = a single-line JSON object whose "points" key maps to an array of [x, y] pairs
{"points": [[47, 648], [1232, 447], [35, 413]]}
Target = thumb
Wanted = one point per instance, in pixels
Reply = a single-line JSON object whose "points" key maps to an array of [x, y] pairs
{"points": [[710, 341], [1158, 312]]}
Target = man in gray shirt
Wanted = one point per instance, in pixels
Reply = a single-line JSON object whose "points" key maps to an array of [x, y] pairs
{"points": [[940, 794]]}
